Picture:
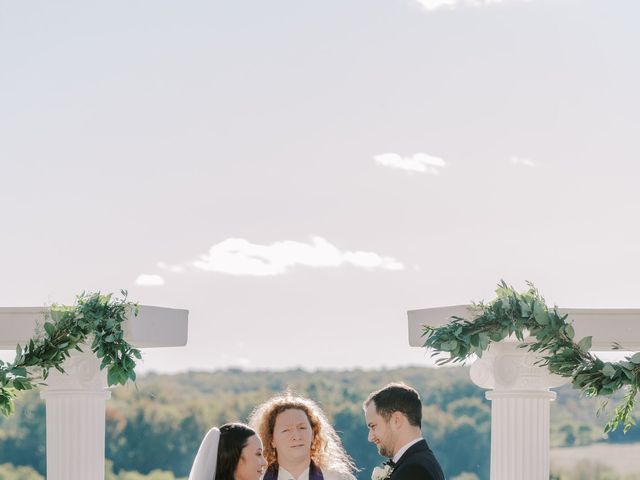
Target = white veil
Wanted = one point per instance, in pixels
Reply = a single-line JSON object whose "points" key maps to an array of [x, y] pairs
{"points": [[204, 465]]}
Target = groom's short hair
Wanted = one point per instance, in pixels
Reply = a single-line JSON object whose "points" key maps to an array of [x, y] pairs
{"points": [[397, 397]]}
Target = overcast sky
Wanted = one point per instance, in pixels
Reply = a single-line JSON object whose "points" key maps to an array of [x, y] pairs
{"points": [[300, 174]]}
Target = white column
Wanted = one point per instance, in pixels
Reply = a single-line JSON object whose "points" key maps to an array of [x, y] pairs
{"points": [[520, 403], [75, 405]]}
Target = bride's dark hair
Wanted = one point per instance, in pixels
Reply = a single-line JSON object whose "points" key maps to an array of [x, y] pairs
{"points": [[233, 438]]}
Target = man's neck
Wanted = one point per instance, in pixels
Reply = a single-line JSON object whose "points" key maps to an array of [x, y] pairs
{"points": [[295, 468], [407, 437]]}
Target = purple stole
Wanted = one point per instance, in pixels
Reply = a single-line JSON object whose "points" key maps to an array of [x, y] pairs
{"points": [[272, 472]]}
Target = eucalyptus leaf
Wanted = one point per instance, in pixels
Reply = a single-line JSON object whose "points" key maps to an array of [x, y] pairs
{"points": [[525, 310], [608, 370], [585, 344], [539, 314], [19, 371], [569, 331], [113, 375], [49, 328]]}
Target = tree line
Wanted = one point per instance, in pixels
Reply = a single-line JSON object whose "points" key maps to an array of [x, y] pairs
{"points": [[157, 425]]}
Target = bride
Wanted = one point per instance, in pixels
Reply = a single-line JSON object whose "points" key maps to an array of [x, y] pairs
{"points": [[232, 452]]}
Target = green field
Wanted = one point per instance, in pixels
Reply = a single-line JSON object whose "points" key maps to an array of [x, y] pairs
{"points": [[621, 458]]}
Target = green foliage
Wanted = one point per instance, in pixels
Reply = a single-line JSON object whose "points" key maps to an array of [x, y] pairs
{"points": [[158, 425], [527, 315], [9, 472], [466, 476], [23, 436], [94, 318], [126, 475]]}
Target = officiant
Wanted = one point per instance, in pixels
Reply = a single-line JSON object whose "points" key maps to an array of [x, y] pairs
{"points": [[299, 442]]}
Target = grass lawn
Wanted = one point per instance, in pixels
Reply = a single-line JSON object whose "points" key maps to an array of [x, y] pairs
{"points": [[623, 458]]}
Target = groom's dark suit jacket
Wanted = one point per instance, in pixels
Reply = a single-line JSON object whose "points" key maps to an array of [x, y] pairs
{"points": [[417, 463]]}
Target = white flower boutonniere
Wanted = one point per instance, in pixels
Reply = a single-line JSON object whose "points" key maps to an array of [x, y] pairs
{"points": [[381, 473]]}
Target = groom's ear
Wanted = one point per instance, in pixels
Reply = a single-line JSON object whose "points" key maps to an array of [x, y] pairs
{"points": [[396, 419]]}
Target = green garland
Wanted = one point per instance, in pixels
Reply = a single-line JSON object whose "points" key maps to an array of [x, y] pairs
{"points": [[527, 315], [94, 317]]}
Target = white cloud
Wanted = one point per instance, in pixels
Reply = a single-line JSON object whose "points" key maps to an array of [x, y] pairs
{"points": [[435, 4], [431, 5], [234, 360], [171, 268], [147, 280], [237, 256], [418, 162], [523, 161]]}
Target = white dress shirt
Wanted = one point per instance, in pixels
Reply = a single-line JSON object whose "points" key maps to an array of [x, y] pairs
{"points": [[400, 452]]}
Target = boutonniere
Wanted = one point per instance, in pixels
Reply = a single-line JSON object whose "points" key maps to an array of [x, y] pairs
{"points": [[382, 473]]}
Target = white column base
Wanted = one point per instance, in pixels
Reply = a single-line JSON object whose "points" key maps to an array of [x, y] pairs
{"points": [[75, 406]]}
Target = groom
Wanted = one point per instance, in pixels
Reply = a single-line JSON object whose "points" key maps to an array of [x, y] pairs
{"points": [[394, 416]]}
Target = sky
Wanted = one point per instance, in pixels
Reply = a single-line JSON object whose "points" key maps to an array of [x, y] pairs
{"points": [[300, 174]]}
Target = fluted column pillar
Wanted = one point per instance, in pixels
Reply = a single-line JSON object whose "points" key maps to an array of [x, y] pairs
{"points": [[520, 404], [75, 406]]}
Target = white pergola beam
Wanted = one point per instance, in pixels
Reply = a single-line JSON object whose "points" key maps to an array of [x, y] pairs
{"points": [[152, 327], [606, 326]]}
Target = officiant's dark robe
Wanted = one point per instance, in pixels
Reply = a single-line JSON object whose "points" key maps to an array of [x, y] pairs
{"points": [[417, 463]]}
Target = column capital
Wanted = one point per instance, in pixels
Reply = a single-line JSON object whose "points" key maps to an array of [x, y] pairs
{"points": [[507, 367], [82, 376]]}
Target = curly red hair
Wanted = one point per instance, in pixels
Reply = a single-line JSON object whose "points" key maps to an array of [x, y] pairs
{"points": [[327, 451]]}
